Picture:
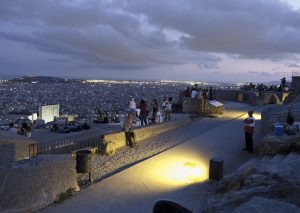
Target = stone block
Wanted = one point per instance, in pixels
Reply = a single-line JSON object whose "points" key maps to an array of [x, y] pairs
{"points": [[15, 148], [33, 184]]}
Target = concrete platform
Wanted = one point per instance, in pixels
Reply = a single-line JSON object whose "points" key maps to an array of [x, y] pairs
{"points": [[179, 174]]}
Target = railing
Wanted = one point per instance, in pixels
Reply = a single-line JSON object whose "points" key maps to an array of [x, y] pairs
{"points": [[70, 144], [295, 73], [89, 139]]}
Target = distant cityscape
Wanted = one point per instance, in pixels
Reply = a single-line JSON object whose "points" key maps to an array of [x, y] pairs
{"points": [[23, 96]]}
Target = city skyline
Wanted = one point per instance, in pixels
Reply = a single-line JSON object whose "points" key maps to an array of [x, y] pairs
{"points": [[231, 41]]}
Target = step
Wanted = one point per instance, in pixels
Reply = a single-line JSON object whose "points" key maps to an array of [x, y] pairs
{"points": [[246, 166], [265, 159], [290, 158], [278, 159]]}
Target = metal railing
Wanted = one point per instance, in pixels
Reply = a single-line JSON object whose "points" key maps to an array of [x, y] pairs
{"points": [[88, 139], [69, 144]]}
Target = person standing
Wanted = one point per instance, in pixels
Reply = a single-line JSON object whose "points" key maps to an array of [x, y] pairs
{"points": [[194, 93], [168, 110], [143, 112], [127, 125], [132, 106], [204, 100], [187, 92], [283, 82], [154, 105], [249, 124], [210, 93]]}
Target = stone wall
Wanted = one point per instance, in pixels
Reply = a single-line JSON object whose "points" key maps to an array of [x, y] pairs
{"points": [[113, 141], [296, 83], [33, 184], [226, 95]]}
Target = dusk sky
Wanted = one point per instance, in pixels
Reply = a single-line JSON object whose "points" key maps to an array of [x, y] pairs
{"points": [[200, 40]]}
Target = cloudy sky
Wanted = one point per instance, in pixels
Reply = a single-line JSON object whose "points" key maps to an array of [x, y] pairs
{"points": [[203, 40]]}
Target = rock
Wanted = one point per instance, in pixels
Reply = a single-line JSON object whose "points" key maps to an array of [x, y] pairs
{"points": [[275, 177], [265, 205], [272, 144], [30, 185]]}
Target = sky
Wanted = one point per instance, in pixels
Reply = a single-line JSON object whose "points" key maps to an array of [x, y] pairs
{"points": [[200, 40]]}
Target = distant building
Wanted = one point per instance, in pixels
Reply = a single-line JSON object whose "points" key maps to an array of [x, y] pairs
{"points": [[49, 112]]}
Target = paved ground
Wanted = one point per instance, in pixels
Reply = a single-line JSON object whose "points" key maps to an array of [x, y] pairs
{"points": [[168, 175]]}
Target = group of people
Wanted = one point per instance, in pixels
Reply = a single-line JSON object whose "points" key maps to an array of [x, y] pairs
{"points": [[142, 112], [24, 129], [272, 88], [159, 114], [197, 92]]}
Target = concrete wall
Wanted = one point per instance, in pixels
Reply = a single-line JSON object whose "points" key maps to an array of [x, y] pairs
{"points": [[113, 141], [14, 147], [33, 184], [296, 83], [225, 95], [190, 105]]}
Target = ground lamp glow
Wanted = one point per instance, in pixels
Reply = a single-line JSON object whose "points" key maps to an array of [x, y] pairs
{"points": [[180, 171]]}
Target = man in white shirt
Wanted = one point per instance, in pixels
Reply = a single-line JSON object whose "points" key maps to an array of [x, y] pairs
{"points": [[194, 93]]}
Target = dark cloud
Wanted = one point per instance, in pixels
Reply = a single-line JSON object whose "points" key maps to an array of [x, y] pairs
{"points": [[133, 35], [253, 29]]}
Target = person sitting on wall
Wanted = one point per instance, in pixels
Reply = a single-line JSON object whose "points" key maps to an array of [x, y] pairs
{"points": [[25, 130], [115, 117], [86, 126], [11, 128], [288, 125], [105, 118], [98, 117]]}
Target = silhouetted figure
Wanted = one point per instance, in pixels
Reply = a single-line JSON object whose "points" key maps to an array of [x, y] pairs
{"points": [[283, 82], [166, 206], [210, 93], [249, 124], [154, 105], [25, 130]]}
